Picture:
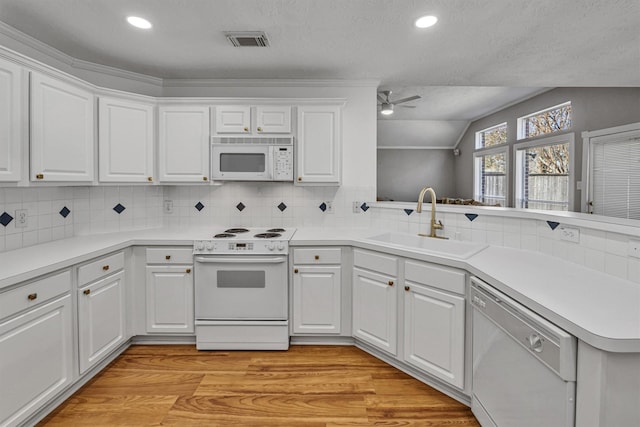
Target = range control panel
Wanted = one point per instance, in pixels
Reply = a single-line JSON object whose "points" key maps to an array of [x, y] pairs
{"points": [[240, 247]]}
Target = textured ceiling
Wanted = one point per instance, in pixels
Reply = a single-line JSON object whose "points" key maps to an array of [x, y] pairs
{"points": [[480, 56]]}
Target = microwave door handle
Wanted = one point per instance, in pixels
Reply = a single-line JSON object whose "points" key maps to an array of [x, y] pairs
{"points": [[238, 260]]}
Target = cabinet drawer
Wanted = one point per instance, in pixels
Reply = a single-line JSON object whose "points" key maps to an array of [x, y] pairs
{"points": [[435, 276], [374, 261], [100, 268], [170, 255], [34, 293], [317, 256]]}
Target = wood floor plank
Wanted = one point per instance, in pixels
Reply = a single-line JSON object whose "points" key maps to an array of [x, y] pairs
{"points": [[313, 386]]}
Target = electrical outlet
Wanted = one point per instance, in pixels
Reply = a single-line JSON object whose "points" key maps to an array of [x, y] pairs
{"points": [[570, 234], [329, 209], [634, 248], [356, 207], [22, 218], [168, 206]]}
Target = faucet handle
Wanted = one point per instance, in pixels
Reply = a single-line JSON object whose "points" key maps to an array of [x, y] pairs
{"points": [[438, 225]]}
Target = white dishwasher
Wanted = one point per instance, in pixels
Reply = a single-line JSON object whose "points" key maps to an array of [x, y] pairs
{"points": [[524, 367]]}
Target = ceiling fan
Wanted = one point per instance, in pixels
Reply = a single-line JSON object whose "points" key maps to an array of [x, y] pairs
{"points": [[386, 105]]}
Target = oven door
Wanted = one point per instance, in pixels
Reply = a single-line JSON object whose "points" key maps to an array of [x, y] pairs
{"points": [[237, 287], [249, 162]]}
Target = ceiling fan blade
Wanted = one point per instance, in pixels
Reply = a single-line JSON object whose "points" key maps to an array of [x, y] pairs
{"points": [[407, 106], [381, 99], [411, 98]]}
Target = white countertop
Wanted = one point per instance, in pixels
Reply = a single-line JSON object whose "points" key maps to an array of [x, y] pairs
{"points": [[602, 310]]}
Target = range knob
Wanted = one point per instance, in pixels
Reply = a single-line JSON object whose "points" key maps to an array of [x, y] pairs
{"points": [[271, 246], [280, 246], [199, 245], [209, 245]]}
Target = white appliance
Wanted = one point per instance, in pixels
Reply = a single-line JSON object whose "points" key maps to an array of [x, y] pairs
{"points": [[252, 159], [524, 367], [241, 290]]}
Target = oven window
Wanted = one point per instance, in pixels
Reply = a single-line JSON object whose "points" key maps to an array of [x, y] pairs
{"points": [[241, 279], [242, 162]]}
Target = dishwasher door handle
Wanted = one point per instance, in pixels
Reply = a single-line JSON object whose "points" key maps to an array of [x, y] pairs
{"points": [[238, 260]]}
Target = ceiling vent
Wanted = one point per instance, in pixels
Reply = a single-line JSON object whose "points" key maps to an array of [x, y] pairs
{"points": [[247, 38]]}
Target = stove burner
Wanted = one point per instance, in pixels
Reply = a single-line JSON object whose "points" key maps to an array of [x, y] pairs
{"points": [[236, 230], [276, 230], [267, 235], [224, 235]]}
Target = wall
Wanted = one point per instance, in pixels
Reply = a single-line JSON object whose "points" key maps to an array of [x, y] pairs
{"points": [[593, 108], [403, 173]]}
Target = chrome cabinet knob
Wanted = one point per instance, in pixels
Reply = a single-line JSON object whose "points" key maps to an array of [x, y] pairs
{"points": [[535, 343]]}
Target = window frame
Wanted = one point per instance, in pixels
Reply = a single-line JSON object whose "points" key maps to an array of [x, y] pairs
{"points": [[540, 141], [521, 128], [478, 137], [493, 150]]}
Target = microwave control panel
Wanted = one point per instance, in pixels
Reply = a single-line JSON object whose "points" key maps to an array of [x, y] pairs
{"points": [[282, 163]]}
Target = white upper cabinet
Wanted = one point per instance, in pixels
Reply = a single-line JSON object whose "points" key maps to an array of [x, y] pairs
{"points": [[125, 140], [248, 120], [319, 145], [62, 131], [183, 143], [10, 121], [233, 119], [273, 119]]}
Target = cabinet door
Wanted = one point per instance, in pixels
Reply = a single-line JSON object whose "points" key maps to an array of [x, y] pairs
{"points": [[319, 146], [184, 144], [10, 121], [233, 119], [317, 299], [101, 319], [374, 309], [36, 354], [125, 141], [170, 299], [62, 129], [434, 332], [273, 119]]}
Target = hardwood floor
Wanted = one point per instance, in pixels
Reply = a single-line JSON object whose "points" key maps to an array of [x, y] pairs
{"points": [[323, 386]]}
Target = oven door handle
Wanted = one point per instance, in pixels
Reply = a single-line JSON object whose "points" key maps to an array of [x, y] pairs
{"points": [[238, 260]]}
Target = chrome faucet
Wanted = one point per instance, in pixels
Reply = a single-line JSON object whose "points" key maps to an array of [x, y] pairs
{"points": [[434, 225]]}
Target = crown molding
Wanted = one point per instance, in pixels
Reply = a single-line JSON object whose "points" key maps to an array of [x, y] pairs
{"points": [[178, 83], [35, 44], [116, 72]]}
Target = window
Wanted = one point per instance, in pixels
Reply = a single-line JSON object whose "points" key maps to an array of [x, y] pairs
{"points": [[543, 174], [490, 176], [494, 135], [554, 119], [614, 171]]}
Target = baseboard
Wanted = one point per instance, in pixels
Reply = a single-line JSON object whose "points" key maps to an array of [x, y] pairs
{"points": [[323, 340]]}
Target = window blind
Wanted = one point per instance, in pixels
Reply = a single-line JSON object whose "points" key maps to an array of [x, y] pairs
{"points": [[615, 175]]}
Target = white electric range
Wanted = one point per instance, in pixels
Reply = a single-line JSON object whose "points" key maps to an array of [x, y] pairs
{"points": [[241, 289]]}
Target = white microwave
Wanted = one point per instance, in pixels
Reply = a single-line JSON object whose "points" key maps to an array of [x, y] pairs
{"points": [[252, 159]]}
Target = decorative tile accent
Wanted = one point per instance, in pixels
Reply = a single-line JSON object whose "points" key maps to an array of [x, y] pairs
{"points": [[323, 206], [5, 219], [199, 206], [553, 225], [364, 207], [408, 211], [282, 207], [119, 208], [471, 217], [240, 206], [64, 212]]}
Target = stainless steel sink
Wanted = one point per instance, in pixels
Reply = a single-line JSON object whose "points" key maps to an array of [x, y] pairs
{"points": [[448, 248]]}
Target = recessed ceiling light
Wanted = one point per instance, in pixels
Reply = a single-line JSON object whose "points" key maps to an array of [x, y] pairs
{"points": [[138, 22], [426, 21]]}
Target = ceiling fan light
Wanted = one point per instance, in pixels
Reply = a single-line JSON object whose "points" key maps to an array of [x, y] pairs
{"points": [[386, 109], [426, 21], [139, 22]]}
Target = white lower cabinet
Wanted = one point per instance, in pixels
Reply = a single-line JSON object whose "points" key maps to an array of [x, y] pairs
{"points": [[101, 319], [434, 320], [170, 299], [317, 299], [36, 349], [375, 311]]}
